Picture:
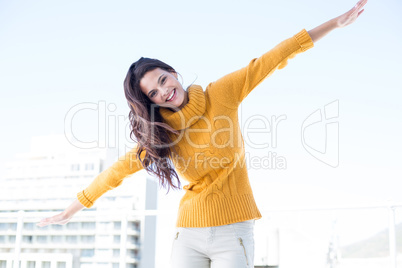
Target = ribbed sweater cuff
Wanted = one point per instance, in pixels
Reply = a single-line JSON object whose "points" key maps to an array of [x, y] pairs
{"points": [[84, 199], [304, 40]]}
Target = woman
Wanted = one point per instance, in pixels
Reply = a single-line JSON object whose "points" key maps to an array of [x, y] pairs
{"points": [[198, 132]]}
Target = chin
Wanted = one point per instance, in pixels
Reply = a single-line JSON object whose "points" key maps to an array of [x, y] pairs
{"points": [[170, 105], [176, 104]]}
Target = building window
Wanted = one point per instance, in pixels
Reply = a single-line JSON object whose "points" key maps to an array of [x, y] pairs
{"points": [[41, 239], [3, 226], [116, 239], [89, 166], [27, 239], [61, 265], [88, 225], [57, 239], [46, 264], [75, 167], [110, 198], [116, 252], [87, 253], [88, 239], [28, 226], [11, 239], [132, 239], [12, 226], [117, 225], [72, 225], [56, 227], [72, 239], [132, 253], [134, 225]]}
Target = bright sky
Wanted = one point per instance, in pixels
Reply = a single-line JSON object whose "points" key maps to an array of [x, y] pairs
{"points": [[55, 55]]}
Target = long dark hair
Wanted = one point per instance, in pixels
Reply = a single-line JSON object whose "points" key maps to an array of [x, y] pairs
{"points": [[152, 135]]}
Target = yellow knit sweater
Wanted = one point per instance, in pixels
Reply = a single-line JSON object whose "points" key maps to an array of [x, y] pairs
{"points": [[210, 148]]}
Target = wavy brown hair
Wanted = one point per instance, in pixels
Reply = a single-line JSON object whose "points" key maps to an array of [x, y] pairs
{"points": [[151, 133]]}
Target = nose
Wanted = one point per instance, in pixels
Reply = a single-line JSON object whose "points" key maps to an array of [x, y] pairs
{"points": [[166, 92]]}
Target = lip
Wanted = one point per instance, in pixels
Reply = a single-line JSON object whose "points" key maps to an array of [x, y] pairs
{"points": [[174, 96]]}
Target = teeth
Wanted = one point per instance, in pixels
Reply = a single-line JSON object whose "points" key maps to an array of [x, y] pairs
{"points": [[171, 95]]}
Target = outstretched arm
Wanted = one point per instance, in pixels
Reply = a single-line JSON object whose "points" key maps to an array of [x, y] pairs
{"points": [[230, 90], [341, 21], [108, 179]]}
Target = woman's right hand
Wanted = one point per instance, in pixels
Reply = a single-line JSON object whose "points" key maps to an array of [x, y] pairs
{"points": [[63, 217]]}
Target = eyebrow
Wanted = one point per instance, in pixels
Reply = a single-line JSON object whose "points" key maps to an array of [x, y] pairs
{"points": [[159, 81]]}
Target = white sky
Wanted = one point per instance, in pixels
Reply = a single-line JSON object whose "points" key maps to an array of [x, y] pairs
{"points": [[55, 55]]}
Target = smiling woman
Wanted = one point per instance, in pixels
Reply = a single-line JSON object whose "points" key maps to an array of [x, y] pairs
{"points": [[199, 132], [149, 85]]}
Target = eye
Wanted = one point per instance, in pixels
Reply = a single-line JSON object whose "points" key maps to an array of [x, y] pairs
{"points": [[163, 80], [152, 94]]}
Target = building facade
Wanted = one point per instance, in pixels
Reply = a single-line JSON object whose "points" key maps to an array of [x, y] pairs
{"points": [[43, 182]]}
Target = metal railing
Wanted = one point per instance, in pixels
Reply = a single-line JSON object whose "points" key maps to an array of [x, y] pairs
{"points": [[21, 217]]}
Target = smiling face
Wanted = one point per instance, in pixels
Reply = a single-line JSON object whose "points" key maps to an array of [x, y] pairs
{"points": [[163, 88]]}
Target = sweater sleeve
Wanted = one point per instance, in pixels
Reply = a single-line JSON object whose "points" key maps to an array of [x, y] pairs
{"points": [[111, 177], [233, 88]]}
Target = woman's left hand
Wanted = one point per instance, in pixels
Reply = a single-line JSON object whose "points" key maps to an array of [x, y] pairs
{"points": [[350, 16]]}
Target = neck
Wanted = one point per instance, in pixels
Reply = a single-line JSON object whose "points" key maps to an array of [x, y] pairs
{"points": [[185, 101], [193, 107]]}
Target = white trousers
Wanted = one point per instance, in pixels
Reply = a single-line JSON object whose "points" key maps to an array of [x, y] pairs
{"points": [[226, 246]]}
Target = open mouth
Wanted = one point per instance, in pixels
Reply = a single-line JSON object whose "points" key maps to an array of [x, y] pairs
{"points": [[172, 95]]}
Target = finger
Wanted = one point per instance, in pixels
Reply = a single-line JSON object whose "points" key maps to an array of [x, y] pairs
{"points": [[360, 12], [355, 8], [358, 7], [45, 221], [358, 4], [41, 221], [41, 224], [361, 4]]}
